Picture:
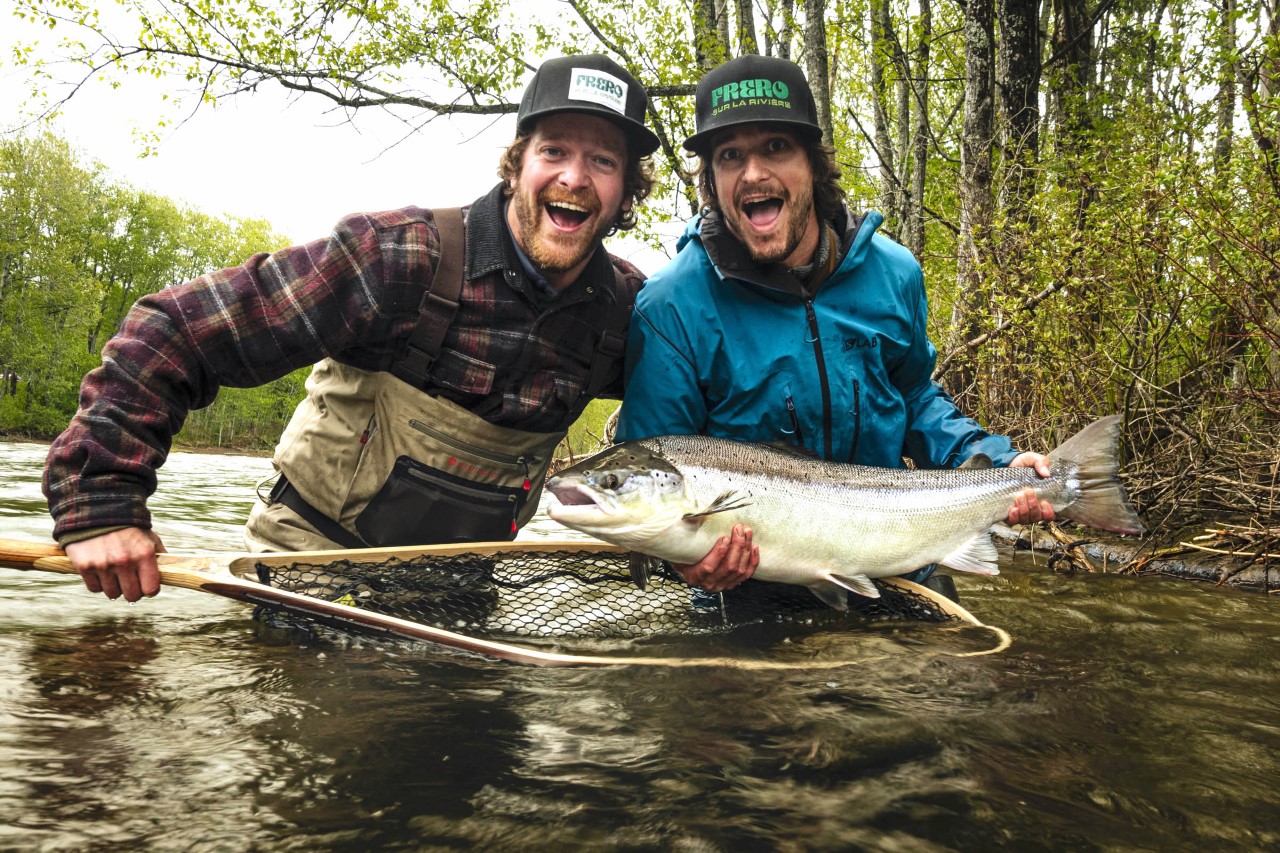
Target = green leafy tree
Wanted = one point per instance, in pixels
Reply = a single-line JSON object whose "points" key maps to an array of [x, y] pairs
{"points": [[76, 251]]}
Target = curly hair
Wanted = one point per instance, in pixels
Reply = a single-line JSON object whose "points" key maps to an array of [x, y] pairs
{"points": [[828, 195], [637, 181]]}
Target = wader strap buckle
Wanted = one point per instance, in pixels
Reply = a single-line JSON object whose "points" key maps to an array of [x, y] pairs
{"points": [[439, 303]]}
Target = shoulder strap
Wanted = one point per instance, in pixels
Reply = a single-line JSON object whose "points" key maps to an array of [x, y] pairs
{"points": [[439, 302], [613, 339]]}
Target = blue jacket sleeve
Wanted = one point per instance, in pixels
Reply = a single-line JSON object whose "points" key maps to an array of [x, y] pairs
{"points": [[663, 395], [938, 435]]}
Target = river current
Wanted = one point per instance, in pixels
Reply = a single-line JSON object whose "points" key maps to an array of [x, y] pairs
{"points": [[1129, 713]]}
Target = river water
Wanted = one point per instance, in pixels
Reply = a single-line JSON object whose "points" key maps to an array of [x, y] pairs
{"points": [[1130, 713]]}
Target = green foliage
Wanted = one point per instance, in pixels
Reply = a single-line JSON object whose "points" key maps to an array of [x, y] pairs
{"points": [[76, 251], [246, 418], [588, 433]]}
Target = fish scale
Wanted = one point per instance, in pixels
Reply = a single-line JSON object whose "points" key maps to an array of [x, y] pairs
{"points": [[829, 526]]}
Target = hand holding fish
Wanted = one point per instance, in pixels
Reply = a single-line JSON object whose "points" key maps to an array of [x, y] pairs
{"points": [[732, 561], [1028, 508], [122, 562]]}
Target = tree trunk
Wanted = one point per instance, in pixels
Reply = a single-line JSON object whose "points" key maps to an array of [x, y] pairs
{"points": [[1072, 49], [1261, 94], [1018, 141], [781, 46], [975, 184], [1069, 71], [1227, 336], [711, 46], [746, 29], [816, 68], [903, 153], [913, 216], [881, 59], [1018, 88]]}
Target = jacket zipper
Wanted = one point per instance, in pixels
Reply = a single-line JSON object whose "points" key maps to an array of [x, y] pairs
{"points": [[795, 421], [812, 317], [857, 419]]}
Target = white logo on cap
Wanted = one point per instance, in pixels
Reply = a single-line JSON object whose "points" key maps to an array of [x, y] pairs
{"points": [[598, 87]]}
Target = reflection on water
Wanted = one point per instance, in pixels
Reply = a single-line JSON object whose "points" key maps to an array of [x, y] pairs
{"points": [[1130, 714]]}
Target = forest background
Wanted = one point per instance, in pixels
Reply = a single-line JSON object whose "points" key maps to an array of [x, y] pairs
{"points": [[1092, 187]]}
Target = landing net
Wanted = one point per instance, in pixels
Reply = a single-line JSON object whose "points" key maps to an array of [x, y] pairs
{"points": [[577, 593]]}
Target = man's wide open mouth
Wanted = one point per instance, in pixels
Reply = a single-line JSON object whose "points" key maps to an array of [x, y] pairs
{"points": [[567, 215], [763, 212]]}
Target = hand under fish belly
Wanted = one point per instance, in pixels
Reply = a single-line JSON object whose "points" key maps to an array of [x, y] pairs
{"points": [[832, 527]]}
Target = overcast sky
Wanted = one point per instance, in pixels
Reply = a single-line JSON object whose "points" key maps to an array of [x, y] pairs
{"points": [[292, 161]]}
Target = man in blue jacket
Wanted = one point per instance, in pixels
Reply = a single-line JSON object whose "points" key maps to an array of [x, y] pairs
{"points": [[785, 318]]}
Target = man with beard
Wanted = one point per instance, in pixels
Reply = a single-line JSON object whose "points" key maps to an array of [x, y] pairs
{"points": [[452, 349], [785, 318]]}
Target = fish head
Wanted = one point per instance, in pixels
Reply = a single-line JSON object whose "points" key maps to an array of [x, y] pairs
{"points": [[627, 495]]}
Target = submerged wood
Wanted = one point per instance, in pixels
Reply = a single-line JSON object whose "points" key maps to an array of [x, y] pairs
{"points": [[1236, 556]]}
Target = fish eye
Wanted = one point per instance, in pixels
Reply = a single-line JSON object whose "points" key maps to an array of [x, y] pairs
{"points": [[610, 481]]}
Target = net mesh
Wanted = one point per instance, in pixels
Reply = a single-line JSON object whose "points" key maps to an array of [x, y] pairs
{"points": [[570, 593]]}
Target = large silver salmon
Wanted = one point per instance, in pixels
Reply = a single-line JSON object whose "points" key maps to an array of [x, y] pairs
{"points": [[831, 527]]}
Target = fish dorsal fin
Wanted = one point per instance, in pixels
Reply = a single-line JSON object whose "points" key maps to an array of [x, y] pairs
{"points": [[793, 449], [861, 584], [976, 462], [724, 502], [977, 555]]}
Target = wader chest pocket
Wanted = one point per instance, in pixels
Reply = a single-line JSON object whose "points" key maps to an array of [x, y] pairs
{"points": [[421, 505]]}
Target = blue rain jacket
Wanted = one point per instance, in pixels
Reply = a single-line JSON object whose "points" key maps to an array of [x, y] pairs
{"points": [[721, 346]]}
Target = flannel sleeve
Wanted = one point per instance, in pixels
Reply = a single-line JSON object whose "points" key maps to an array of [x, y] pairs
{"points": [[239, 327]]}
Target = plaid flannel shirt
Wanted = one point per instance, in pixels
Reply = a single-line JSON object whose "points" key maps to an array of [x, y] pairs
{"points": [[513, 355]]}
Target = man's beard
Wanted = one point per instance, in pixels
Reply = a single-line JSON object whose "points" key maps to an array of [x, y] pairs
{"points": [[800, 208], [549, 250]]}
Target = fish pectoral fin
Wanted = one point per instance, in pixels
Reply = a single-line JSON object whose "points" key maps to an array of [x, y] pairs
{"points": [[724, 502], [861, 584], [978, 555], [831, 595], [641, 566]]}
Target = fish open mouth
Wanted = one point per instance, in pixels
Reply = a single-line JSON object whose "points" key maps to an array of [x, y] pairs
{"points": [[571, 495], [576, 502]]}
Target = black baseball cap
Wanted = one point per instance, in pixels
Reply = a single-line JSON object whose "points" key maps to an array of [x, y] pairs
{"points": [[589, 84], [753, 89]]}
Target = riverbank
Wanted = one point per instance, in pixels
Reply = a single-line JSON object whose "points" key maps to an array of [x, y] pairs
{"points": [[178, 447], [1231, 555]]}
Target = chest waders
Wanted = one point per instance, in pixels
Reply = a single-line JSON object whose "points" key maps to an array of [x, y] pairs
{"points": [[371, 460]]}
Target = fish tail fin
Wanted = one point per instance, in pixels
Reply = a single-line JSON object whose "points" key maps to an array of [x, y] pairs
{"points": [[1102, 503]]}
